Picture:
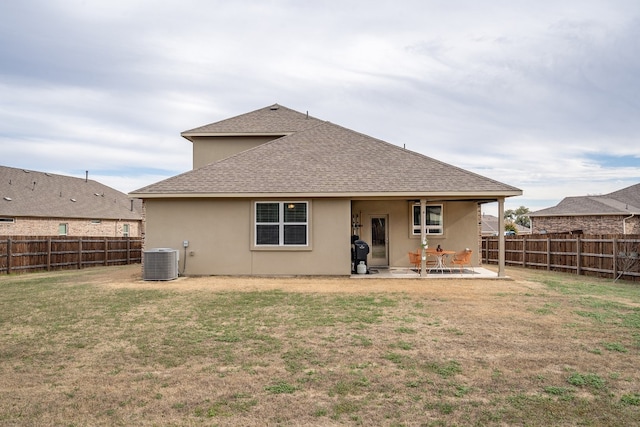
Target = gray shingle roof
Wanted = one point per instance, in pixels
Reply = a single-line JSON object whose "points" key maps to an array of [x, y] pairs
{"points": [[40, 194], [328, 159], [274, 119], [622, 202]]}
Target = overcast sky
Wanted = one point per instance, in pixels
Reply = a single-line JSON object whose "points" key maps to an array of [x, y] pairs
{"points": [[542, 95]]}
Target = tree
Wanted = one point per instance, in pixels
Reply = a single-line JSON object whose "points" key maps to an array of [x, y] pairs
{"points": [[518, 216], [510, 228], [628, 259]]}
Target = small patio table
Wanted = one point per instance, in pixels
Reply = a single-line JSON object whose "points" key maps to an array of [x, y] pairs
{"points": [[440, 257]]}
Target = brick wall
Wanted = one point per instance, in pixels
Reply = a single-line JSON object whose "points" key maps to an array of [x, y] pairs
{"points": [[595, 224], [75, 227]]}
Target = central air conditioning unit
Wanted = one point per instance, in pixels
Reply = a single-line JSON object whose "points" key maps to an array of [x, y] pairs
{"points": [[161, 264]]}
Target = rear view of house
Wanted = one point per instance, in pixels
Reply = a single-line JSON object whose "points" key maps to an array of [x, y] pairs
{"points": [[276, 191]]}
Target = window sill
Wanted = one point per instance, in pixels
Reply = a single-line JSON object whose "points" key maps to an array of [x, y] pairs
{"points": [[265, 248]]}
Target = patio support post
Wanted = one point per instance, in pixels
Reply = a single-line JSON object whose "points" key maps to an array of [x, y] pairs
{"points": [[423, 237], [501, 272]]}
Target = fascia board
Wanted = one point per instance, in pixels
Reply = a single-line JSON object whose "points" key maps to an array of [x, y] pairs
{"points": [[364, 196], [189, 135]]}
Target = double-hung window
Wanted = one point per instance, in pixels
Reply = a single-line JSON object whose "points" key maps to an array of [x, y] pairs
{"points": [[281, 223], [434, 223]]}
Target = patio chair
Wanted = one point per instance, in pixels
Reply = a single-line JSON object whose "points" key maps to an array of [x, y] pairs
{"points": [[461, 259], [414, 259]]}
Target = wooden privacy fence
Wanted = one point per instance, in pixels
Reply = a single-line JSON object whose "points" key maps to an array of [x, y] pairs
{"points": [[29, 253], [608, 255]]}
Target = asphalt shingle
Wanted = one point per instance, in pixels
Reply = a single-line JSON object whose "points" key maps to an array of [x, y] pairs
{"points": [[320, 158], [40, 194], [274, 119], [622, 202]]}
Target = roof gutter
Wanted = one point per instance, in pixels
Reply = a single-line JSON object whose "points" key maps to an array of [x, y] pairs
{"points": [[439, 196], [624, 223]]}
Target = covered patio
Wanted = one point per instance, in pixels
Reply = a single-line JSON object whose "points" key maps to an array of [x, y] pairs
{"points": [[420, 237]]}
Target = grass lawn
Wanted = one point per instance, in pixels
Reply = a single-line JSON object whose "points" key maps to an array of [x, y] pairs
{"points": [[101, 347]]}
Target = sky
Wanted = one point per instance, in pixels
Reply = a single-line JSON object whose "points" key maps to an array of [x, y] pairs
{"points": [[542, 95]]}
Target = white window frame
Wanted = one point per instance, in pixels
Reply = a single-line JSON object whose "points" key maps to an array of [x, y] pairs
{"points": [[125, 230], [6, 220], [431, 230], [66, 229], [282, 206]]}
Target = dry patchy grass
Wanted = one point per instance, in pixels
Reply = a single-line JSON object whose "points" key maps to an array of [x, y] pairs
{"points": [[101, 347]]}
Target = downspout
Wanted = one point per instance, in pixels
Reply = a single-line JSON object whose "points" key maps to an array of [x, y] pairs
{"points": [[423, 237], [501, 272], [624, 223]]}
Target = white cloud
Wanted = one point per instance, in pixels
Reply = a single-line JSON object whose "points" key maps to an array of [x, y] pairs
{"points": [[531, 94]]}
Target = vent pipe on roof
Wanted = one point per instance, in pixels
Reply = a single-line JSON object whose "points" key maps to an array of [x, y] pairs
{"points": [[86, 176]]}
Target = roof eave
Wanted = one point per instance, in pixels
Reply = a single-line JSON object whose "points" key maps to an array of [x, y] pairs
{"points": [[189, 135], [480, 195]]}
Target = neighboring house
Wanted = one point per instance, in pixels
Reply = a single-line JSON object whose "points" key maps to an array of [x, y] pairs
{"points": [[275, 191], [43, 204], [613, 213], [490, 226]]}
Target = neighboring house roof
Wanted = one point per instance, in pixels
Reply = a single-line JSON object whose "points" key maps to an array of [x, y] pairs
{"points": [[622, 202], [324, 159], [490, 225], [274, 120], [25, 193]]}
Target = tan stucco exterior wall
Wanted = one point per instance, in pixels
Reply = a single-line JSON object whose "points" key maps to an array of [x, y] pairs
{"points": [[208, 149], [219, 232], [76, 227], [220, 235], [460, 228]]}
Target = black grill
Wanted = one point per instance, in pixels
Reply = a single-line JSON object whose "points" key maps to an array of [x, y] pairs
{"points": [[359, 252]]}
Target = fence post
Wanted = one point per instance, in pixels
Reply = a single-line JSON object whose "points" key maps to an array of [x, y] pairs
{"points": [[524, 251], [578, 256], [483, 249], [9, 255], [615, 258], [548, 254], [79, 253], [128, 251], [106, 251], [49, 254]]}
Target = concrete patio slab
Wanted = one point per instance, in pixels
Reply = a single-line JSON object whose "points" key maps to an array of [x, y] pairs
{"points": [[408, 273]]}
